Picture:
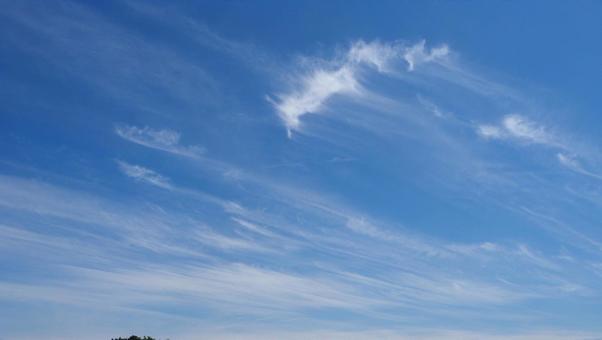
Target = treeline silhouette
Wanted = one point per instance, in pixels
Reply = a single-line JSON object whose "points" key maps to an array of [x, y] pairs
{"points": [[135, 337]]}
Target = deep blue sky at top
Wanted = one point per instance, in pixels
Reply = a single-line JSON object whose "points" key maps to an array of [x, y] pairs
{"points": [[533, 42]]}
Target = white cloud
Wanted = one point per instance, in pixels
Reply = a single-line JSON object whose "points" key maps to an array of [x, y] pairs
{"points": [[321, 83], [115, 60], [520, 128], [418, 54], [489, 131], [364, 227], [315, 90], [361, 226], [475, 249], [146, 227], [244, 288], [165, 140], [489, 246], [536, 259], [432, 107], [145, 175], [572, 163], [255, 228], [515, 127], [569, 162], [213, 239], [22, 235], [400, 276], [374, 54]]}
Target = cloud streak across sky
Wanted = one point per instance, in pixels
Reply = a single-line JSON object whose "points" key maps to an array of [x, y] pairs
{"points": [[165, 140], [519, 128], [143, 174]]}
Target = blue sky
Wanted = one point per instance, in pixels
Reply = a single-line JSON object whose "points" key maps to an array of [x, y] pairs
{"points": [[327, 170]]}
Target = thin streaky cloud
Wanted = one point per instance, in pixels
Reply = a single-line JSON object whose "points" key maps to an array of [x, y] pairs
{"points": [[353, 292], [143, 174], [213, 239], [521, 129], [374, 54], [572, 163], [202, 34], [418, 54], [121, 63], [165, 140]]}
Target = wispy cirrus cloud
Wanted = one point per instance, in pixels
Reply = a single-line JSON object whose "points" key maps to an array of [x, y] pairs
{"points": [[143, 174], [374, 54], [174, 18], [341, 76], [97, 221], [315, 90], [165, 140], [119, 62], [569, 161], [572, 162], [419, 54], [519, 128], [213, 239], [403, 276]]}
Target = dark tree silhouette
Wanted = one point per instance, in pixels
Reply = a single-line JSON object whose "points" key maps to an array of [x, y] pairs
{"points": [[135, 337]]}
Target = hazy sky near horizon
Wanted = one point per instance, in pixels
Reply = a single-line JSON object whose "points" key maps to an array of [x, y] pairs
{"points": [[300, 170]]}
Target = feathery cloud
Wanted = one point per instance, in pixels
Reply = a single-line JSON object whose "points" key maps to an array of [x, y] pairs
{"points": [[374, 54], [313, 89], [418, 54], [519, 128], [572, 163], [165, 140], [569, 161], [490, 131], [227, 243], [143, 174]]}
